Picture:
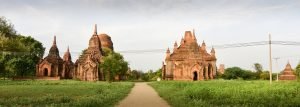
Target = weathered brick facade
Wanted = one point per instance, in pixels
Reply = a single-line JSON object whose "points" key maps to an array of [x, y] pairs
{"points": [[86, 67], [189, 61], [54, 66]]}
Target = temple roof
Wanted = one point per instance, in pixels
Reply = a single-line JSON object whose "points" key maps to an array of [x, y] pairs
{"points": [[189, 49], [53, 56], [94, 50]]}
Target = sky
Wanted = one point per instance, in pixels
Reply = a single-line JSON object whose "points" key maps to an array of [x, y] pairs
{"points": [[157, 24]]}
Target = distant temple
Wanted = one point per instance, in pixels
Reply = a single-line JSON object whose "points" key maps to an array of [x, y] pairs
{"points": [[54, 66], [189, 61], [86, 66], [287, 73]]}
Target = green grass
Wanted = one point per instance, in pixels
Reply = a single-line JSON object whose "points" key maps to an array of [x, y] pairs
{"points": [[229, 93], [62, 93]]}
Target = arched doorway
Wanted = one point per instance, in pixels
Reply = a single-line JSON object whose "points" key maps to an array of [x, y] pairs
{"points": [[45, 72], [195, 76]]}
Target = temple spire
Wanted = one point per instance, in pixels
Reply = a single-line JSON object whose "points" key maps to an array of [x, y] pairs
{"points": [[68, 50], [54, 41], [95, 29]]}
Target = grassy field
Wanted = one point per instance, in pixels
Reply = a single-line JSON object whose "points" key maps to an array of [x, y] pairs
{"points": [[229, 93], [62, 93]]}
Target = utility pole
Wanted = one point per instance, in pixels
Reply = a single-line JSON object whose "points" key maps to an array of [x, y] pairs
{"points": [[270, 55]]}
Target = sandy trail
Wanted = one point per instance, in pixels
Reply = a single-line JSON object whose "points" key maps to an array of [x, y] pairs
{"points": [[142, 95]]}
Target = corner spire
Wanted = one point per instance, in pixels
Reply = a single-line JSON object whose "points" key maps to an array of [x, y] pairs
{"points": [[95, 29], [203, 43], [213, 50], [175, 44]]}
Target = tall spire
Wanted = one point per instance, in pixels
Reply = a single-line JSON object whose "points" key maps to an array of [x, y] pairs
{"points": [[68, 50], [54, 41], [95, 29], [54, 50]]}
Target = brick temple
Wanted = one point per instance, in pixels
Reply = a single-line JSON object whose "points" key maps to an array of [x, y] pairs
{"points": [[287, 73], [189, 61], [85, 68], [54, 66]]}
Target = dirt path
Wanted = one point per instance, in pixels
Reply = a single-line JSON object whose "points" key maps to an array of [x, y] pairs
{"points": [[142, 95]]}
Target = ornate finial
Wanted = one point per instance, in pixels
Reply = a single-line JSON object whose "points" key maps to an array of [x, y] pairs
{"points": [[54, 41], [68, 50], [175, 44], [168, 50], [95, 29]]}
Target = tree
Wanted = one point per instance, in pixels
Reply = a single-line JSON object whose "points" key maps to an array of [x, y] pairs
{"points": [[236, 73], [259, 69], [135, 75], [265, 75], [19, 54], [6, 28], [114, 65]]}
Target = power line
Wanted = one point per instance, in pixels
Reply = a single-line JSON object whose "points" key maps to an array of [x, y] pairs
{"points": [[224, 46]]}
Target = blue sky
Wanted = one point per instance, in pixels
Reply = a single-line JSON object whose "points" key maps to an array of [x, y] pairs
{"points": [[157, 24]]}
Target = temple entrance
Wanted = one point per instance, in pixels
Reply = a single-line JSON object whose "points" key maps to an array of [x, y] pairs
{"points": [[195, 78], [45, 72]]}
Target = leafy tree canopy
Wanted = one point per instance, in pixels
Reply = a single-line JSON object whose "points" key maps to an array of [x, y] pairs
{"points": [[18, 54], [113, 65]]}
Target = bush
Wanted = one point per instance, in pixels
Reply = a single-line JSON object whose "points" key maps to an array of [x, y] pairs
{"points": [[236, 73]]}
